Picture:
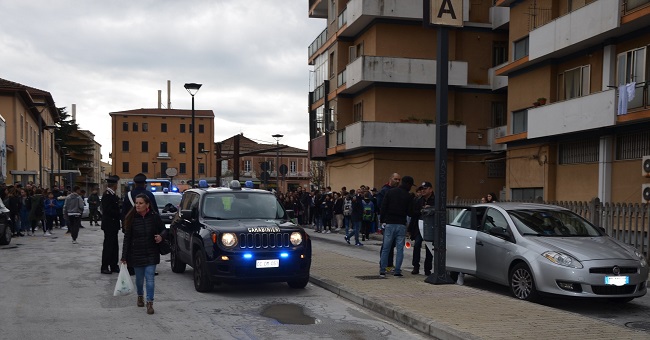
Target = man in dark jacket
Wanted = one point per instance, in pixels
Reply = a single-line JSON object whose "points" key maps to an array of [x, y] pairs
{"points": [[393, 182], [93, 207], [111, 226], [424, 201], [395, 207], [140, 187]]}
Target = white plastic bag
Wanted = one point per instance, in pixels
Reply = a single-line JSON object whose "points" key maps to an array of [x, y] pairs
{"points": [[124, 285]]}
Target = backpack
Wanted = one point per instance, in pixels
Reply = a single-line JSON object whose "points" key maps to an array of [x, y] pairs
{"points": [[367, 211], [347, 207]]}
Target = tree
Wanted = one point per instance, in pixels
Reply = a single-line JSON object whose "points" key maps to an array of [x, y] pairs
{"points": [[78, 149], [317, 173]]}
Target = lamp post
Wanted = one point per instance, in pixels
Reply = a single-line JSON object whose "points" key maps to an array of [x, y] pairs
{"points": [[192, 89], [277, 160], [51, 127], [154, 168]]}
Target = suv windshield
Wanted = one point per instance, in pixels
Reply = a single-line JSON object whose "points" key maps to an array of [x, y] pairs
{"points": [[163, 200], [552, 223], [241, 205]]}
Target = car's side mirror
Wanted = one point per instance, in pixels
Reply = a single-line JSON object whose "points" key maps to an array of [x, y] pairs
{"points": [[170, 208]]}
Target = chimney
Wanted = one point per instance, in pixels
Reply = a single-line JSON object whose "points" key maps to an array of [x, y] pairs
{"points": [[169, 94], [74, 112], [159, 99]]}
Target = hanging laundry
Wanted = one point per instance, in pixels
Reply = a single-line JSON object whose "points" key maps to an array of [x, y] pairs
{"points": [[631, 90], [622, 100]]}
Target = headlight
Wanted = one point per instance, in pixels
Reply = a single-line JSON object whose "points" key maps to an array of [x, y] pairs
{"points": [[229, 240], [562, 259], [296, 238], [642, 259]]}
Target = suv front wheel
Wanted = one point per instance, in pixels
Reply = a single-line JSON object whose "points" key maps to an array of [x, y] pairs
{"points": [[201, 280]]}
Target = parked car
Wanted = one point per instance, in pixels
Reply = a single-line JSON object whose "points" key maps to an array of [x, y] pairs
{"points": [[5, 225], [168, 203], [231, 235], [540, 249]]}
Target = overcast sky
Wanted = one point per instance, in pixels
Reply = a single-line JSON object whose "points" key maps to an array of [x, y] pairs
{"points": [[114, 55]]}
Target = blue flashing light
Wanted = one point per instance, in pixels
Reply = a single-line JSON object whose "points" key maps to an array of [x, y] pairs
{"points": [[284, 255], [248, 256], [153, 189], [175, 189]]}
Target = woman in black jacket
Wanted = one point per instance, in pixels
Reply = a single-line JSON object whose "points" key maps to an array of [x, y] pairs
{"points": [[143, 230]]}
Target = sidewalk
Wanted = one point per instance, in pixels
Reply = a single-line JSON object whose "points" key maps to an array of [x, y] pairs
{"points": [[450, 311]]}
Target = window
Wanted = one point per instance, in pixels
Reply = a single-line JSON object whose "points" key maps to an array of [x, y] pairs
{"points": [[145, 127], [163, 167], [494, 219], [125, 145], [182, 126], [633, 145], [135, 127], [519, 121], [163, 147], [181, 147], [582, 151], [247, 166], [527, 194], [292, 167], [125, 166], [191, 128], [498, 114], [201, 128], [201, 168], [632, 67], [145, 146], [163, 127], [201, 147], [145, 167], [182, 168], [521, 48], [499, 52], [574, 83], [125, 126], [270, 163], [496, 169], [22, 122], [331, 65], [357, 114]]}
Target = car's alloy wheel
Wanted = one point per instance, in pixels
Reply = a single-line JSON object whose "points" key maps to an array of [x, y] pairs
{"points": [[177, 265], [201, 279], [5, 237], [522, 283]]}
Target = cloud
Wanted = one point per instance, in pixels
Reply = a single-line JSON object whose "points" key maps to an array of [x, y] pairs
{"points": [[250, 56]]}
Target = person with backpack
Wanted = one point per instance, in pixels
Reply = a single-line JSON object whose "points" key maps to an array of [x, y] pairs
{"points": [[356, 218], [347, 211], [367, 216]]}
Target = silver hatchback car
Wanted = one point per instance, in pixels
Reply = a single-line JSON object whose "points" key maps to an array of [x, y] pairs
{"points": [[535, 248]]}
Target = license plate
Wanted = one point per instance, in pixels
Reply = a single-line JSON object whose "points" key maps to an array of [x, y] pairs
{"points": [[617, 280], [267, 263]]}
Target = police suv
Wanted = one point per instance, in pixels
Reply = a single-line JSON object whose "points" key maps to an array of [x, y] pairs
{"points": [[230, 235]]}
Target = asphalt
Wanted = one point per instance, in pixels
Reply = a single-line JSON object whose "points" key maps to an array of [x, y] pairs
{"points": [[448, 311]]}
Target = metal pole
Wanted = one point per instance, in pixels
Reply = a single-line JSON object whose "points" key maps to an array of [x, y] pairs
{"points": [[439, 275], [193, 132], [52, 161], [40, 151], [277, 167]]}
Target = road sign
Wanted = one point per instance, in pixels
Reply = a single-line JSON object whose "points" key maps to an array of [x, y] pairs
{"points": [[445, 12], [264, 176], [171, 172], [283, 169], [264, 166]]}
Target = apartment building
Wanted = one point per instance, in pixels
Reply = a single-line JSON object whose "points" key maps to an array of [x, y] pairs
{"points": [[245, 164], [372, 101], [578, 102], [150, 141]]}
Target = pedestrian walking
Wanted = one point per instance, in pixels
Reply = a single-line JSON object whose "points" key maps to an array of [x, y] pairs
{"points": [[50, 213], [367, 216], [24, 213], [139, 187], [395, 207], [36, 211], [72, 210], [143, 230], [93, 207], [356, 217], [111, 225]]}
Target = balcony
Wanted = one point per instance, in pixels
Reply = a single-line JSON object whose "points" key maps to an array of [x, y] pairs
{"points": [[401, 135], [164, 155], [499, 17], [493, 134], [317, 149], [576, 30], [578, 114], [317, 43], [366, 70], [318, 9], [360, 13], [497, 82]]}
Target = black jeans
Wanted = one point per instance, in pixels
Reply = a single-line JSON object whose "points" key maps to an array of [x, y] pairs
{"points": [[428, 260], [110, 252], [74, 222]]}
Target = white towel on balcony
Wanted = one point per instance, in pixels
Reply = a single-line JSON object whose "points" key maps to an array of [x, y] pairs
{"points": [[622, 99], [631, 90]]}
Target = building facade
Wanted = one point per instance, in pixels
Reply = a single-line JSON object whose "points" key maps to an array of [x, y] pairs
{"points": [[150, 141], [578, 104], [245, 164], [372, 101]]}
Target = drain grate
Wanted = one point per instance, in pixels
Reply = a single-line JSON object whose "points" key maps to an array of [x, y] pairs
{"points": [[369, 277], [640, 325]]}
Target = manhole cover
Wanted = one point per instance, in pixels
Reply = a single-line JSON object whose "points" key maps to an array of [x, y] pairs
{"points": [[640, 325], [369, 277]]}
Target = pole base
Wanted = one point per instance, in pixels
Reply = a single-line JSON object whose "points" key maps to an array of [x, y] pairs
{"points": [[443, 279]]}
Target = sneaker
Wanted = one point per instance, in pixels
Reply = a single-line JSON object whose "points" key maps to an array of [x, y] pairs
{"points": [[326, 232], [74, 241], [359, 244], [427, 272], [382, 275], [48, 234], [390, 269], [415, 271], [64, 228], [347, 239], [398, 275]]}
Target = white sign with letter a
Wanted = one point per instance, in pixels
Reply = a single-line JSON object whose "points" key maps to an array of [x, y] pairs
{"points": [[446, 12]]}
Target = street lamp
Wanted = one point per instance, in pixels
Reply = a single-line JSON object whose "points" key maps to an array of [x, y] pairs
{"points": [[154, 169], [192, 89], [277, 161], [51, 127]]}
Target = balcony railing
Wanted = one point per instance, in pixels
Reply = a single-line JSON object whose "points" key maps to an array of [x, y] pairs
{"points": [[633, 5], [343, 18], [340, 79], [164, 155], [641, 100], [317, 43]]}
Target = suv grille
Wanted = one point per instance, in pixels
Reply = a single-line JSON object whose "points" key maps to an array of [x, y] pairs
{"points": [[263, 240]]}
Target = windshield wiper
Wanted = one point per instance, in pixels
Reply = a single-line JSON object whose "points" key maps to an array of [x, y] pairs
{"points": [[531, 234]]}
